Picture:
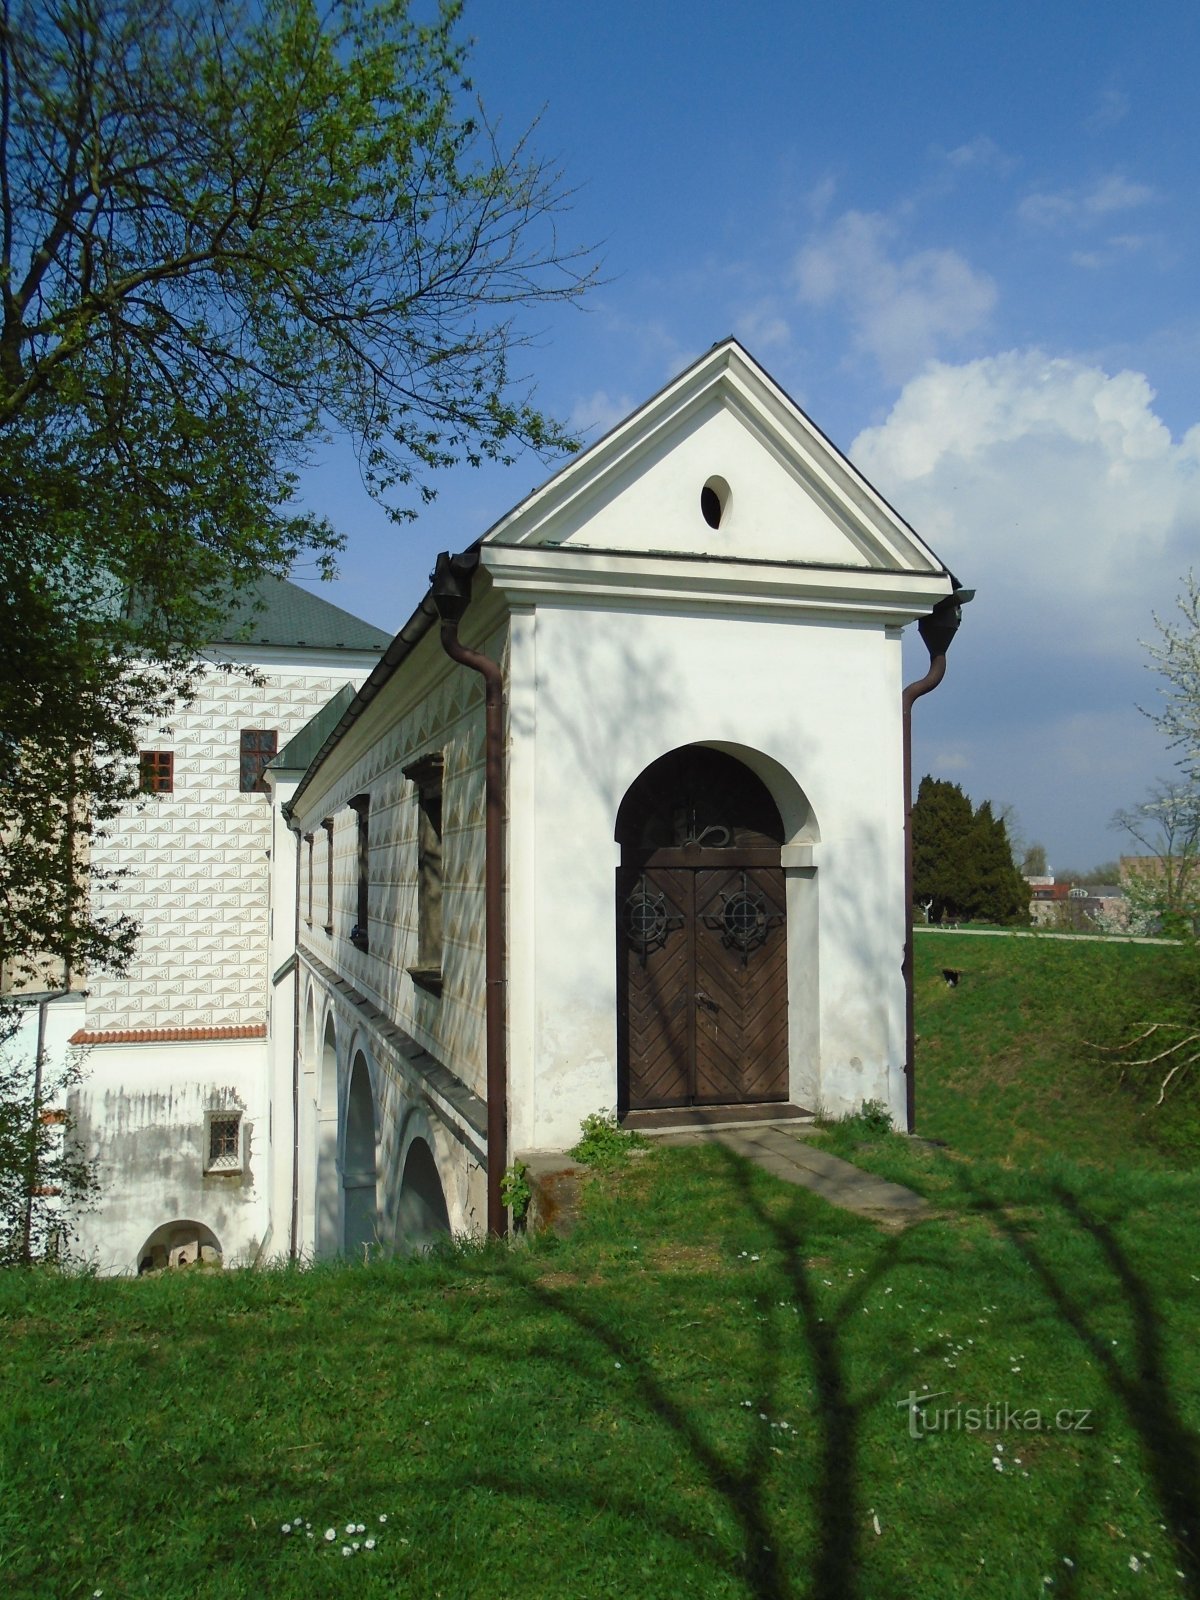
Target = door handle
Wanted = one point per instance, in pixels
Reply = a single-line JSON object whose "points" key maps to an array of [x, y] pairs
{"points": [[703, 999]]}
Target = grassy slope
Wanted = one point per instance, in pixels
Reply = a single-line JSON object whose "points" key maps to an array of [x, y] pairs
{"points": [[606, 1417], [1003, 1068]]}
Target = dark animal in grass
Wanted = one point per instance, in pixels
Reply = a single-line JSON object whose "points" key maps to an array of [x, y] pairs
{"points": [[951, 975]]}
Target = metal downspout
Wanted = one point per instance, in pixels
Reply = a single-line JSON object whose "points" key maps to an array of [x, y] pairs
{"points": [[936, 630], [39, 1062], [294, 1249], [452, 593]]}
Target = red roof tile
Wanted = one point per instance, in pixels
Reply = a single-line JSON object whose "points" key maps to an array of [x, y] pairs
{"points": [[254, 1030]]}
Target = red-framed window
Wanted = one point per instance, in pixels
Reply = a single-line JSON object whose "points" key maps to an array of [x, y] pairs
{"points": [[156, 771]]}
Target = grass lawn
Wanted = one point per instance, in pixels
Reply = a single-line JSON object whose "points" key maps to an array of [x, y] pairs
{"points": [[707, 1391]]}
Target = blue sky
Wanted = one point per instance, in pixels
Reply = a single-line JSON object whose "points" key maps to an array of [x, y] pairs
{"points": [[965, 239]]}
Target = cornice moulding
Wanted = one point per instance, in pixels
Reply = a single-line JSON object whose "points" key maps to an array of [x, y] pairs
{"points": [[543, 574]]}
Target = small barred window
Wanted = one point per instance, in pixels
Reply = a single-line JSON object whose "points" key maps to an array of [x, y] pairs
{"points": [[224, 1144]]}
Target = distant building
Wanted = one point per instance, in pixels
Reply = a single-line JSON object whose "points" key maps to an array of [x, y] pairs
{"points": [[1047, 902], [1077, 908]]}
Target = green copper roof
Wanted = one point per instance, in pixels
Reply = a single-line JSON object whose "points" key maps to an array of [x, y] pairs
{"points": [[298, 752], [285, 614]]}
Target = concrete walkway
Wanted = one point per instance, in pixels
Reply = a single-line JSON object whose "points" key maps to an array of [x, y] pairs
{"points": [[784, 1152]]}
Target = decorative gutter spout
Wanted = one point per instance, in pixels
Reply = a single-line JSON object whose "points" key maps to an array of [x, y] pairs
{"points": [[451, 590], [937, 631]]}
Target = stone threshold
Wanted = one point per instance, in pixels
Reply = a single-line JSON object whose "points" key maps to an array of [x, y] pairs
{"points": [[684, 1119]]}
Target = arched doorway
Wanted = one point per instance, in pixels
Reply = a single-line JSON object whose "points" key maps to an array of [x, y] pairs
{"points": [[358, 1162], [421, 1216], [179, 1244], [701, 937]]}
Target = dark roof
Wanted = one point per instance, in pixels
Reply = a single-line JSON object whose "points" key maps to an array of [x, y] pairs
{"points": [[298, 752], [274, 611]]}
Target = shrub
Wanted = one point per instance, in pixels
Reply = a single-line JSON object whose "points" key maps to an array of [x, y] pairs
{"points": [[515, 1191], [604, 1143]]}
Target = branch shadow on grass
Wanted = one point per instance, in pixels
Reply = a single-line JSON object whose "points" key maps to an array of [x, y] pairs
{"points": [[831, 1572], [1170, 1449]]}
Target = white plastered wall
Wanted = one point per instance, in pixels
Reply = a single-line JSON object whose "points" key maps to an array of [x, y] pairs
{"points": [[431, 705], [140, 1114], [603, 692], [772, 511], [196, 861], [216, 923]]}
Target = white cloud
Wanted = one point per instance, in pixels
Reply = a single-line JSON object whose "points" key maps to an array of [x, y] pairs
{"points": [[594, 414], [1080, 207], [1050, 485], [820, 196], [1112, 106], [1120, 247], [950, 758], [902, 308], [760, 327], [981, 151]]}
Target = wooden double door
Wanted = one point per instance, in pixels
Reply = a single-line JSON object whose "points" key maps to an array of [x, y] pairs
{"points": [[702, 979]]}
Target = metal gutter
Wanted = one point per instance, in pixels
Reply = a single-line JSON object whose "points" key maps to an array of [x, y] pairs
{"points": [[292, 966], [937, 630], [401, 647], [452, 580], [45, 1001]]}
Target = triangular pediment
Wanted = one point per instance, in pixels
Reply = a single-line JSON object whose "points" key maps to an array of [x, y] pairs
{"points": [[778, 490]]}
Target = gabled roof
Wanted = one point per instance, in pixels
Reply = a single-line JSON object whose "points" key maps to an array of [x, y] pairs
{"points": [[788, 495], [274, 611], [762, 551], [297, 754]]}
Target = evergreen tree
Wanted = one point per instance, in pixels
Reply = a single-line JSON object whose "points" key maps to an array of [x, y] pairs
{"points": [[962, 859], [942, 818], [999, 893]]}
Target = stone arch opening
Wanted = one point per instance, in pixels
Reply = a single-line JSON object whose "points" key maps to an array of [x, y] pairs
{"points": [[309, 1046], [421, 1216], [800, 825], [328, 1199], [307, 1111], [179, 1244], [359, 1173], [702, 946]]}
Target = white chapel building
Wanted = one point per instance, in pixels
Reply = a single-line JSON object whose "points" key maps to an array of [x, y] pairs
{"points": [[692, 888]]}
